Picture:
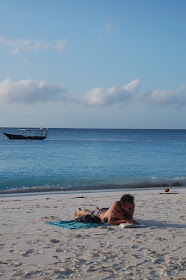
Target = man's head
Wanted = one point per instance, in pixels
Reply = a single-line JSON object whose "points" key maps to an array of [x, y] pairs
{"points": [[127, 198], [127, 204]]}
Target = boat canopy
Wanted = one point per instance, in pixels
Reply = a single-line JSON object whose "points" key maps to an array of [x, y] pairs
{"points": [[33, 131]]}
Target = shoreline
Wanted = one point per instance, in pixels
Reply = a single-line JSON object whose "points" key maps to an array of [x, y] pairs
{"points": [[31, 249], [35, 190]]}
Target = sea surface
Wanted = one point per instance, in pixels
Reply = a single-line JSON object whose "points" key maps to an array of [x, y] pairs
{"points": [[84, 159]]}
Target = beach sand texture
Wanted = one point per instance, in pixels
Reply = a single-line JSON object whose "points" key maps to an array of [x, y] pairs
{"points": [[31, 249]]}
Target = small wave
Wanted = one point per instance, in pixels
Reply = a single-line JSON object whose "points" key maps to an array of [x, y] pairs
{"points": [[160, 183]]}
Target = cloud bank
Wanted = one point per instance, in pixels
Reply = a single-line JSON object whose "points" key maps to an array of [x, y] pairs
{"points": [[158, 97], [130, 94], [29, 91], [17, 46], [111, 96]]}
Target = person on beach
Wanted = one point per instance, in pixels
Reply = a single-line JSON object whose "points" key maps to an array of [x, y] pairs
{"points": [[119, 212]]}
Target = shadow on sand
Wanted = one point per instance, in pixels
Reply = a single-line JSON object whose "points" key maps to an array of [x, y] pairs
{"points": [[159, 224]]}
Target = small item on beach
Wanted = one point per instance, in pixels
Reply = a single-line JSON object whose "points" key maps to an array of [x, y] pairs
{"points": [[127, 225], [166, 191]]}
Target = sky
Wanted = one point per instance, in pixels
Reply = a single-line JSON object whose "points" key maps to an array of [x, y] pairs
{"points": [[93, 64]]}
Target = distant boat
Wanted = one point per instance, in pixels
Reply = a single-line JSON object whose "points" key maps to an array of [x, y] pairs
{"points": [[29, 134]]}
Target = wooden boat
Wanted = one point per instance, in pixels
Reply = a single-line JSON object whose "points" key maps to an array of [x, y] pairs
{"points": [[29, 134]]}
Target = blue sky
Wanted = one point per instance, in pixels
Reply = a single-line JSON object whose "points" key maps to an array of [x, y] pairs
{"points": [[93, 64]]}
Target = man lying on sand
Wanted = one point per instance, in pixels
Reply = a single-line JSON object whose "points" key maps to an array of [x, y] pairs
{"points": [[119, 212]]}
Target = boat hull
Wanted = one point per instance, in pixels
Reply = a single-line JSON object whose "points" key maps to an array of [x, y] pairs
{"points": [[23, 137]]}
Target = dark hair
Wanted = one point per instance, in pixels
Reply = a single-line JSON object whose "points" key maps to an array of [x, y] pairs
{"points": [[88, 219], [127, 198]]}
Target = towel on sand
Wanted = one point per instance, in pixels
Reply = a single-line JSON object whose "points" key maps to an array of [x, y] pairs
{"points": [[72, 224]]}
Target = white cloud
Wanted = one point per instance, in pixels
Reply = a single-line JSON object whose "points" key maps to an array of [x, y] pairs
{"points": [[165, 97], [114, 95], [29, 91], [17, 46], [130, 93]]}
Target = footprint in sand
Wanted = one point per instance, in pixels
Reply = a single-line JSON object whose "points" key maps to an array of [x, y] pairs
{"points": [[28, 252], [54, 241]]}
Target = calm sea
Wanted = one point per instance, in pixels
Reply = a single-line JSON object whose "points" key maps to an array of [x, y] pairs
{"points": [[73, 159]]}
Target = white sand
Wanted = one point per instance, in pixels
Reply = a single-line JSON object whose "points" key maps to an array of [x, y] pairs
{"points": [[31, 249]]}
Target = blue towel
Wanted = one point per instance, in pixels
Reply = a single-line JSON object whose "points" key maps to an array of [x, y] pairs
{"points": [[72, 224]]}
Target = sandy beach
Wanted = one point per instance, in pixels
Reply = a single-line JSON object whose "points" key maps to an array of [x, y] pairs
{"points": [[32, 249]]}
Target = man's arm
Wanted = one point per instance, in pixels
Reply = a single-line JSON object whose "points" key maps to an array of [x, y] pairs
{"points": [[116, 217]]}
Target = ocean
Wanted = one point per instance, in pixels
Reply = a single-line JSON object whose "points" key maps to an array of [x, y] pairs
{"points": [[93, 159]]}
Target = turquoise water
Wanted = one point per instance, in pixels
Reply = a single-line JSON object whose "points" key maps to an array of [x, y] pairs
{"points": [[72, 159]]}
